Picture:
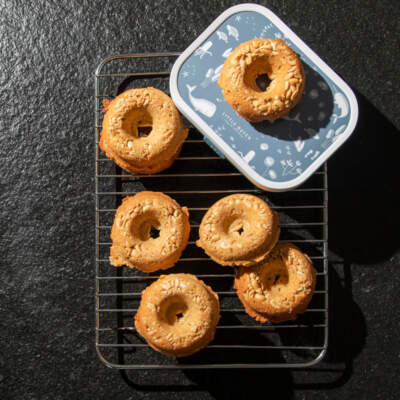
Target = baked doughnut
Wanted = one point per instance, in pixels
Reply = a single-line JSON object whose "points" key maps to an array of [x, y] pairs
{"points": [[142, 108], [239, 229], [178, 315], [135, 217], [258, 57], [278, 289]]}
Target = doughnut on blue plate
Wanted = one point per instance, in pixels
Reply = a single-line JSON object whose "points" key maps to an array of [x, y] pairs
{"points": [[275, 155]]}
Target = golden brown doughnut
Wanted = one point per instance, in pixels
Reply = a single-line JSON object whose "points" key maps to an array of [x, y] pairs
{"points": [[132, 244], [134, 109], [178, 315], [239, 229], [252, 59], [278, 289]]}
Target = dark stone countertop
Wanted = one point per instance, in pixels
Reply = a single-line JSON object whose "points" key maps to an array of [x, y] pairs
{"points": [[49, 51]]}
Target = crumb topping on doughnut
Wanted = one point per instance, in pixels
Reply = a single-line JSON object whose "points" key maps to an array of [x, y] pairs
{"points": [[134, 221], [252, 59], [122, 137], [178, 314], [279, 288], [240, 229]]}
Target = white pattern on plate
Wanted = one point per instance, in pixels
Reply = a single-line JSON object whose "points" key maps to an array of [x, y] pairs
{"points": [[322, 85], [309, 152], [341, 102], [272, 174], [222, 36], [232, 31], [315, 155], [227, 52], [296, 118], [204, 106], [203, 50], [314, 93], [249, 156], [312, 133], [269, 161], [299, 144]]}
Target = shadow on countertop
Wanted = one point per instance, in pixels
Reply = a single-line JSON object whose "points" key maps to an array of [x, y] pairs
{"points": [[363, 190], [363, 221], [346, 339]]}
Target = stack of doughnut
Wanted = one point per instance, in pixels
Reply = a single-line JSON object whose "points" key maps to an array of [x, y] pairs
{"points": [[275, 281], [135, 110], [278, 289]]}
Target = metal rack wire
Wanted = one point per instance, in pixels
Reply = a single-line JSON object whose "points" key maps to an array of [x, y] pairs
{"points": [[197, 179]]}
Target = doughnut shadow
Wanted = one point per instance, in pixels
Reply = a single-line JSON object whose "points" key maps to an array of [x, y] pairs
{"points": [[241, 382], [137, 71], [370, 163], [133, 82], [305, 120], [215, 353], [345, 316]]}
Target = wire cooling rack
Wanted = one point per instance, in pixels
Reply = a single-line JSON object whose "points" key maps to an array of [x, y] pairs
{"points": [[197, 179]]}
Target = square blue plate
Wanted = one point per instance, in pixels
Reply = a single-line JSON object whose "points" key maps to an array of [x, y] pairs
{"points": [[278, 155]]}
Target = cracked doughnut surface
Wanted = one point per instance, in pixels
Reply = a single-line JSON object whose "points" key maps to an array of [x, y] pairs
{"points": [[258, 57], [136, 219], [278, 289], [178, 315]]}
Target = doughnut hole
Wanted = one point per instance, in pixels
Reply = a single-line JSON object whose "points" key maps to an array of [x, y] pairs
{"points": [[234, 225], [262, 82], [144, 131], [138, 123], [154, 232], [258, 75], [173, 310], [149, 229], [275, 277]]}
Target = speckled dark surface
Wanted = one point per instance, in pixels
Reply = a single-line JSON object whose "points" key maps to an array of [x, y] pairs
{"points": [[49, 51]]}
